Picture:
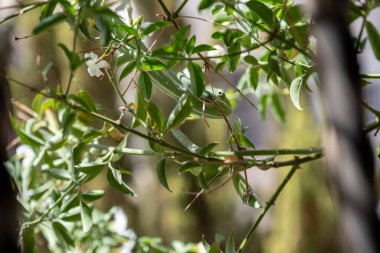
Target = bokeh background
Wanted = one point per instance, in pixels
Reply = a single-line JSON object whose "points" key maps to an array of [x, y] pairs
{"points": [[303, 219]]}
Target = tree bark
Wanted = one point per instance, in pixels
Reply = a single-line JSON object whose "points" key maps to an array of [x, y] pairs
{"points": [[8, 203], [349, 156]]}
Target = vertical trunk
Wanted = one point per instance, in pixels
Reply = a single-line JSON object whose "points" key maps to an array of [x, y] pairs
{"points": [[8, 203], [349, 155]]}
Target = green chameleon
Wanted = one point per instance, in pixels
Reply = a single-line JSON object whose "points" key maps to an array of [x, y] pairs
{"points": [[212, 104]]}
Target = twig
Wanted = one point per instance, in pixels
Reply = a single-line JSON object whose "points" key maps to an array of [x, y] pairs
{"points": [[269, 204]]}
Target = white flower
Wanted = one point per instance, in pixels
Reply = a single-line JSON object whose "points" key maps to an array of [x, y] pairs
{"points": [[127, 246], [121, 221], [121, 224], [27, 155], [93, 65], [201, 248]]}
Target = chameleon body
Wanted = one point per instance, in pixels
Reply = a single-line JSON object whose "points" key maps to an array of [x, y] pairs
{"points": [[211, 104]]}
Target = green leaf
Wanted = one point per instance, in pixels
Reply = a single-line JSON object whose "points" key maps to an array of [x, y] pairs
{"points": [[240, 186], [48, 22], [29, 139], [78, 151], [141, 111], [202, 181], [145, 85], [243, 141], [180, 112], [154, 27], [155, 116], [190, 45], [234, 56], [71, 216], [214, 249], [180, 38], [86, 100], [74, 59], [193, 167], [125, 57], [293, 14], [63, 235], [127, 29], [91, 169], [295, 88], [66, 5], [273, 64], [263, 11], [68, 119], [204, 4], [253, 77], [127, 70], [55, 142], [115, 179], [151, 64], [197, 78], [161, 173], [251, 60], [374, 39], [277, 109], [230, 244], [203, 48], [60, 174], [47, 9], [70, 203], [28, 240], [206, 149], [184, 140], [86, 216], [92, 195], [104, 26], [301, 35]]}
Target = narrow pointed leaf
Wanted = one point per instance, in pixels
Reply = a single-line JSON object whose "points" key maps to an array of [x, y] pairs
{"points": [[230, 244], [86, 216], [184, 140], [48, 22], [63, 235], [277, 109], [91, 169], [154, 27], [161, 173], [197, 78], [127, 70], [115, 179], [92, 195], [145, 85], [263, 11], [374, 39], [248, 196], [295, 88], [180, 112]]}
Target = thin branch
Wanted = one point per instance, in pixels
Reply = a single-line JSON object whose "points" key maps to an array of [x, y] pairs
{"points": [[360, 33], [270, 203], [203, 19], [166, 10], [370, 76], [265, 152], [175, 14]]}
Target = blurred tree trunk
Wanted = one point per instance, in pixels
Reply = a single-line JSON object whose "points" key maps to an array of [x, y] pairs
{"points": [[349, 155], [8, 203]]}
